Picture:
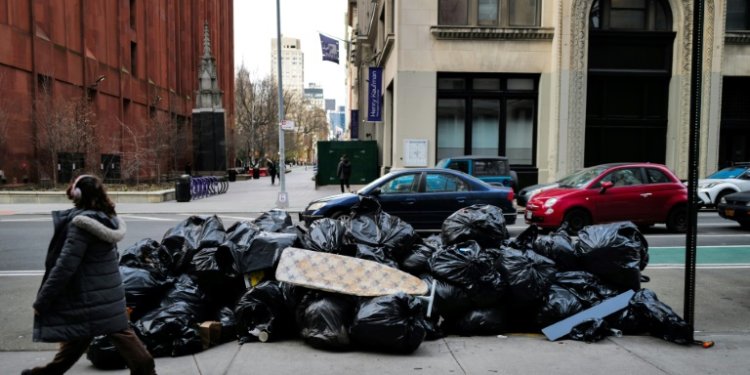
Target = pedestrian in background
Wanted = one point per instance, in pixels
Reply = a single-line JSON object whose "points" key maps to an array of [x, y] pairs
{"points": [[82, 294], [344, 171], [272, 170]]}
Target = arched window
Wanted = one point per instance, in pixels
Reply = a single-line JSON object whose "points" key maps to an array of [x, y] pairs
{"points": [[649, 15]]}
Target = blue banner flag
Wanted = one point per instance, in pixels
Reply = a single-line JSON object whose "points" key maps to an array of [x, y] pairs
{"points": [[330, 48], [374, 94]]}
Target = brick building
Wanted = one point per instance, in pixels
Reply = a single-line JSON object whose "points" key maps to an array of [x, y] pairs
{"points": [[128, 68]]}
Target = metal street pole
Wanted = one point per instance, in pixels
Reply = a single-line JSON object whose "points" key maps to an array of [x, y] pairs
{"points": [[283, 200], [695, 131]]}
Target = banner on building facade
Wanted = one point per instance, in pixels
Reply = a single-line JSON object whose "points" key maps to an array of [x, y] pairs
{"points": [[330, 48], [354, 125], [374, 94]]}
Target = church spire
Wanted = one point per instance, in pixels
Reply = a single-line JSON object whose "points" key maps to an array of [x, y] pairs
{"points": [[208, 96]]}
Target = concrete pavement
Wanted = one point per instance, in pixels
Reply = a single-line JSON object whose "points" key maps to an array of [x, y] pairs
{"points": [[721, 316]]}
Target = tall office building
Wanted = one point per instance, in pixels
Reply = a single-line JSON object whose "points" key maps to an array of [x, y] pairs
{"points": [[292, 65], [314, 93]]}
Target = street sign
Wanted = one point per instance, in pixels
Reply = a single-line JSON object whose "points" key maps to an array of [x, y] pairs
{"points": [[287, 125]]}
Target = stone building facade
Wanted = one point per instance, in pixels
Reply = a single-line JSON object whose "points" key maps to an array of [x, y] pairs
{"points": [[556, 85]]}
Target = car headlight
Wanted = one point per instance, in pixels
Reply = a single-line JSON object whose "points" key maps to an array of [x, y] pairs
{"points": [[550, 202], [723, 200], [316, 206], [708, 185]]}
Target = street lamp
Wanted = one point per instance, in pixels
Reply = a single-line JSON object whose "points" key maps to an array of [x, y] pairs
{"points": [[282, 201]]}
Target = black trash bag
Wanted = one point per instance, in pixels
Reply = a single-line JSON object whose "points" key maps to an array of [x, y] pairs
{"points": [[559, 247], [473, 269], [451, 300], [482, 322], [262, 252], [149, 255], [325, 235], [587, 288], [143, 290], [392, 323], [186, 289], [615, 252], [104, 355], [484, 224], [376, 254], [417, 259], [645, 313], [171, 330], [191, 235], [590, 330], [527, 274], [274, 220], [324, 320], [371, 226], [214, 270], [559, 304], [225, 316], [526, 239], [434, 240], [241, 233], [263, 315]]}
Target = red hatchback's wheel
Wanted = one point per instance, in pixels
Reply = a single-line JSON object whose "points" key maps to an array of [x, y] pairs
{"points": [[677, 220], [576, 219]]}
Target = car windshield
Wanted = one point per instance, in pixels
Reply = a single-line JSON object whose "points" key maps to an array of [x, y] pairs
{"points": [[731, 172], [581, 178]]}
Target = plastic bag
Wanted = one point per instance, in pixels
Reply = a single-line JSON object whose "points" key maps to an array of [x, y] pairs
{"points": [[482, 322], [645, 313], [525, 240], [472, 268], [591, 330], [393, 323], [559, 304], [262, 314], [274, 220], [241, 233], [225, 316], [587, 288], [143, 290], [451, 301], [484, 224], [149, 255], [324, 320], [417, 259], [104, 355], [171, 330], [262, 252], [325, 235], [215, 272], [371, 226], [527, 274], [559, 247], [615, 252], [191, 235], [376, 254]]}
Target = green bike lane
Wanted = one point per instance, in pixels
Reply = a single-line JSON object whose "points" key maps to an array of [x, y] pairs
{"points": [[707, 256]]}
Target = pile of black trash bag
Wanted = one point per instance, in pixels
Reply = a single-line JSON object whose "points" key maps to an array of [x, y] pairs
{"points": [[486, 282]]}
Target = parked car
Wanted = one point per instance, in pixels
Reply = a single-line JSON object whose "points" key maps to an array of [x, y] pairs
{"points": [[523, 195], [423, 197], [726, 181], [494, 170], [643, 193], [736, 207]]}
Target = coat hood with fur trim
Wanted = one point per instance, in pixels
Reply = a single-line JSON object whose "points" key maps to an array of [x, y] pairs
{"points": [[107, 229]]}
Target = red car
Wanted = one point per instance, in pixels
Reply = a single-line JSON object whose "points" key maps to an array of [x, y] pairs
{"points": [[643, 193]]}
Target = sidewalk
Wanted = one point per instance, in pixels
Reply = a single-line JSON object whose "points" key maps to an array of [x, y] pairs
{"points": [[243, 196], [721, 316]]}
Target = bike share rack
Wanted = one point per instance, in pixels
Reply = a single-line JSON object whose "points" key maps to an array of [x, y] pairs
{"points": [[201, 187]]}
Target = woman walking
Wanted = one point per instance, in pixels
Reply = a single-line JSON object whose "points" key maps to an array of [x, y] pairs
{"points": [[82, 295]]}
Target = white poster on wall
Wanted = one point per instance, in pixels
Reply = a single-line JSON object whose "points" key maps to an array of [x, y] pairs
{"points": [[415, 152]]}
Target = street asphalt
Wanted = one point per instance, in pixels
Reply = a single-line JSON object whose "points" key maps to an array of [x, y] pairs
{"points": [[721, 315]]}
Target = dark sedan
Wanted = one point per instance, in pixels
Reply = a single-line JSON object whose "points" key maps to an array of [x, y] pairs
{"points": [[423, 197], [736, 207]]}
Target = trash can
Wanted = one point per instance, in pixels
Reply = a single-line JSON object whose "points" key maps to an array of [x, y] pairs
{"points": [[232, 175], [256, 173], [182, 188]]}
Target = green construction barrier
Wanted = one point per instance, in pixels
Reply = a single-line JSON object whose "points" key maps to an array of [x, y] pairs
{"points": [[362, 154]]}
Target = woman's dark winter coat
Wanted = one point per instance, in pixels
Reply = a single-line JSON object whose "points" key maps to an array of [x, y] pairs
{"points": [[82, 293], [344, 169]]}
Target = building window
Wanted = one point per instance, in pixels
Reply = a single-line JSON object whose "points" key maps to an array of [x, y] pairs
{"points": [[738, 17], [133, 58], [651, 15], [132, 14], [492, 13], [487, 114]]}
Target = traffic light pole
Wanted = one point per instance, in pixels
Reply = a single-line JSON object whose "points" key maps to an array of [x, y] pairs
{"points": [[282, 201]]}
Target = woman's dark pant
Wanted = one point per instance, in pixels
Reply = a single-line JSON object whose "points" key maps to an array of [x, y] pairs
{"points": [[136, 355]]}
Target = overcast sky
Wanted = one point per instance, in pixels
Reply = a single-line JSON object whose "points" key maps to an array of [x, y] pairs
{"points": [[255, 26]]}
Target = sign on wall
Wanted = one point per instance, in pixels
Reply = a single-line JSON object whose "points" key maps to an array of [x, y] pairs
{"points": [[415, 152], [374, 94]]}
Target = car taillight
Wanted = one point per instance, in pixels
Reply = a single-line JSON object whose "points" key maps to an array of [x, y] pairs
{"points": [[511, 195]]}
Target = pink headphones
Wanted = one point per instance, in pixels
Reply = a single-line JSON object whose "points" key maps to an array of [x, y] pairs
{"points": [[76, 192]]}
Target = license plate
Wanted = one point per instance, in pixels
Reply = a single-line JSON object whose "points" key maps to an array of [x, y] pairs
{"points": [[729, 212], [528, 215]]}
